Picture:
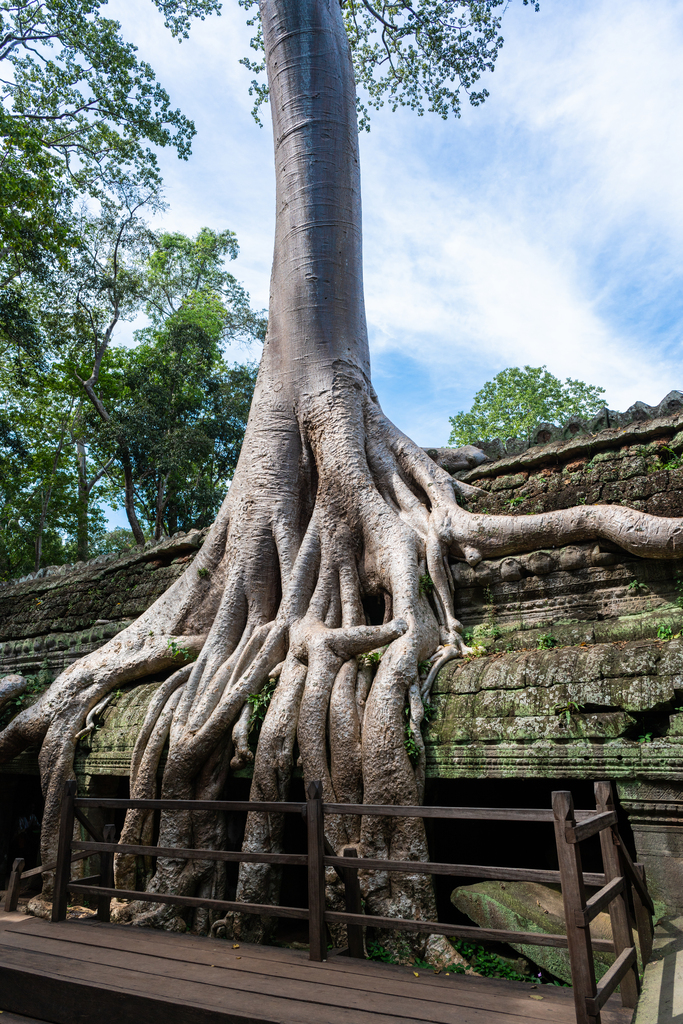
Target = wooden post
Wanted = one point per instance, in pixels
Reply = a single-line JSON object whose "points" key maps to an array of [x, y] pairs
{"points": [[622, 935], [106, 874], [574, 899], [63, 867], [643, 919], [14, 885], [353, 905], [316, 872]]}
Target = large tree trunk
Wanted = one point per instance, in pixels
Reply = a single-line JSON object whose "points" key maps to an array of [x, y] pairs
{"points": [[330, 505]]}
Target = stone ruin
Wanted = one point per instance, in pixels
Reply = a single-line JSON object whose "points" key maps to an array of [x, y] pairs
{"points": [[579, 673]]}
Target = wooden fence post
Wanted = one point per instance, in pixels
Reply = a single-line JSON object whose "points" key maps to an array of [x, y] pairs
{"points": [[622, 935], [106, 874], [63, 867], [353, 905], [574, 899], [14, 884], [316, 872]]}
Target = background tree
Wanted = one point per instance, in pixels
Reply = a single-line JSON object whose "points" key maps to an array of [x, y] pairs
{"points": [[183, 415], [78, 113], [517, 400], [331, 513]]}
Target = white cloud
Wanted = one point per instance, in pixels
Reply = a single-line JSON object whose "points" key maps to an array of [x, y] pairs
{"points": [[544, 227]]}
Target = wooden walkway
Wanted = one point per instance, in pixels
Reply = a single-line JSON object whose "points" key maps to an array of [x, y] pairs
{"points": [[86, 972]]}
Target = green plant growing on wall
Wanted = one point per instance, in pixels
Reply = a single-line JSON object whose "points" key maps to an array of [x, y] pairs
{"points": [[546, 641], [203, 572], [665, 632], [636, 587], [517, 500], [673, 459], [568, 709]]}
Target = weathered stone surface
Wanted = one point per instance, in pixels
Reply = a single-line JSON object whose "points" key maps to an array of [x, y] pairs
{"points": [[529, 907]]}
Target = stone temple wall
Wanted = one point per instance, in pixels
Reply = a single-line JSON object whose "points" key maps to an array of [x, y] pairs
{"points": [[579, 670]]}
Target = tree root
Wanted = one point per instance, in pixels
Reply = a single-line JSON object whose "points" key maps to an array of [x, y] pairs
{"points": [[364, 514]]}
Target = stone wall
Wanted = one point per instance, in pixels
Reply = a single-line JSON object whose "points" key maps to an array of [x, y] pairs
{"points": [[579, 670]]}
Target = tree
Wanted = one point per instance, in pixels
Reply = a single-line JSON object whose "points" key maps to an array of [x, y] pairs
{"points": [[38, 497], [183, 415], [332, 510], [78, 113], [516, 401]]}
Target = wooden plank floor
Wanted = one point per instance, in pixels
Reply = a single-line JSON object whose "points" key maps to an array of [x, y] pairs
{"points": [[83, 972]]}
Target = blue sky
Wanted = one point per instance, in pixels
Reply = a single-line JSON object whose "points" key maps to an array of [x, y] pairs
{"points": [[543, 227]]}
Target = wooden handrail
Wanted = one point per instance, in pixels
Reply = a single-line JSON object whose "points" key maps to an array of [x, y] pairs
{"points": [[598, 902], [571, 828], [463, 931], [299, 859], [633, 875], [263, 909], [609, 981], [590, 826], [120, 803]]}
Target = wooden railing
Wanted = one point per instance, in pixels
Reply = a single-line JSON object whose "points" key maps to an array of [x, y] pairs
{"points": [[621, 878]]}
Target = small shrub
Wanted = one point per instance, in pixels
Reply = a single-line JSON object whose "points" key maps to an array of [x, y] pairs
{"points": [[203, 572], [377, 952], [487, 964], [546, 641], [372, 657], [568, 709], [673, 460], [177, 650], [664, 632], [635, 586], [426, 584], [34, 688], [259, 703]]}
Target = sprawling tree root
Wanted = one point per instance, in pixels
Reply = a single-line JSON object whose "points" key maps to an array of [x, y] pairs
{"points": [[330, 505], [369, 515]]}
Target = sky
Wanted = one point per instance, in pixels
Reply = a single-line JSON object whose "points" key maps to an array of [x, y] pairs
{"points": [[544, 227]]}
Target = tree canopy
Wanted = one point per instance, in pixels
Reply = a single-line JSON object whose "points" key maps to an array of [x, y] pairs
{"points": [[517, 400], [420, 54]]}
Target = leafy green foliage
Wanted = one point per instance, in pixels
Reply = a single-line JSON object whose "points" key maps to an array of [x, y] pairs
{"points": [[487, 964], [517, 400], [546, 641], [177, 650], [409, 743], [372, 657], [377, 952], [426, 584], [664, 632], [35, 686], [259, 703], [568, 709], [670, 459], [80, 115], [420, 54]]}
